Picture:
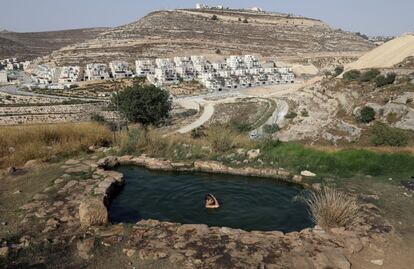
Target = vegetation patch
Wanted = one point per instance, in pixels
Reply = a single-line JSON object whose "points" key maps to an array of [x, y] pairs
{"points": [[19, 144], [384, 135]]}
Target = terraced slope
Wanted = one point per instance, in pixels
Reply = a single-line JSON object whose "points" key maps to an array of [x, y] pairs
{"points": [[36, 44], [178, 32]]}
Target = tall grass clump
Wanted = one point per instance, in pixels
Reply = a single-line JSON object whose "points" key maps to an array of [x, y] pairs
{"points": [[331, 208], [19, 144], [223, 138]]}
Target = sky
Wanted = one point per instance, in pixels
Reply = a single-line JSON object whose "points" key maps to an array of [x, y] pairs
{"points": [[372, 17]]}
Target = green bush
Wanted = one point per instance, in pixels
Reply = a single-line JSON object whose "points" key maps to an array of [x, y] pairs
{"points": [[270, 128], [384, 135], [338, 70], [367, 114], [291, 115], [382, 80], [369, 75], [98, 118], [352, 75]]}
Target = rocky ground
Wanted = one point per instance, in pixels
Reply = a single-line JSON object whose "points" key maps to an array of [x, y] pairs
{"points": [[67, 223]]}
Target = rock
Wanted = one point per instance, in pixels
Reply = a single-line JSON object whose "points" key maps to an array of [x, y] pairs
{"points": [[78, 169], [72, 162], [40, 196], [354, 245], [317, 186], [17, 192], [129, 252], [377, 262], [109, 162], [409, 185], [307, 174], [93, 212], [331, 258], [84, 247], [4, 252], [31, 164], [253, 153], [59, 180], [297, 178]]}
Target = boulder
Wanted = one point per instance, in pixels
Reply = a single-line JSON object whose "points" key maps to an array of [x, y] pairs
{"points": [[307, 174], [31, 164], [93, 212], [253, 153], [4, 252], [85, 247], [109, 162]]}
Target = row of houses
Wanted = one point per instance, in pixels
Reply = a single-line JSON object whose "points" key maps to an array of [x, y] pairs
{"points": [[229, 73], [12, 64], [232, 73]]}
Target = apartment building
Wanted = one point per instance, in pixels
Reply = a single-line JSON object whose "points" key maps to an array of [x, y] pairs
{"points": [[96, 72]]}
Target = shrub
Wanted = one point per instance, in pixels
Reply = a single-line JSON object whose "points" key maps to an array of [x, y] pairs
{"points": [[240, 127], [221, 138], [245, 20], [98, 118], [367, 115], [270, 128], [369, 75], [383, 135], [214, 18], [304, 113], [198, 133], [338, 70], [332, 208], [291, 115], [352, 75], [382, 80]]}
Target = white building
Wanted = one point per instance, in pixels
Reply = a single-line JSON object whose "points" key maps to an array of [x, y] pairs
{"points": [[96, 72], [120, 69], [43, 74], [145, 67], [69, 74], [235, 62], [3, 76]]}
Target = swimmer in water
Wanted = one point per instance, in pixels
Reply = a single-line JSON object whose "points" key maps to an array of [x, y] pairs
{"points": [[211, 201]]}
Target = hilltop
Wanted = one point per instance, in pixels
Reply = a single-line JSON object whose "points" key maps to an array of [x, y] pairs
{"points": [[36, 44], [178, 32]]}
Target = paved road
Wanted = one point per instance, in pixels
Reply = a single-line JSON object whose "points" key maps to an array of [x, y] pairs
{"points": [[207, 114]]}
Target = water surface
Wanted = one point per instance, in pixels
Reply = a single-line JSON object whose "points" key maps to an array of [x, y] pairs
{"points": [[246, 203]]}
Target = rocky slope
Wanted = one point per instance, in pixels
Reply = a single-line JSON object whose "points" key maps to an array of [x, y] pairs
{"points": [[31, 45], [179, 32]]}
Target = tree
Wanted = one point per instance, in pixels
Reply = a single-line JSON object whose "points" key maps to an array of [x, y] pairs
{"points": [[214, 18], [245, 20], [144, 104], [367, 115]]}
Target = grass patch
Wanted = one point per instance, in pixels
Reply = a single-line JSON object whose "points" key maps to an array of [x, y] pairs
{"points": [[19, 144], [343, 163]]}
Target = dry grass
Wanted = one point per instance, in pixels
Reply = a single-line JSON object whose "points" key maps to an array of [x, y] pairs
{"points": [[19, 144], [223, 138], [332, 208]]}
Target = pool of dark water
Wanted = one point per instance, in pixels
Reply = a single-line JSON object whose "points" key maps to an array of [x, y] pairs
{"points": [[246, 203]]}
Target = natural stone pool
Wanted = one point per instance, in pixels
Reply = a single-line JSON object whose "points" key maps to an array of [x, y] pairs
{"points": [[246, 203]]}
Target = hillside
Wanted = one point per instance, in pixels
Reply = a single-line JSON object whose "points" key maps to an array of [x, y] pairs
{"points": [[35, 44], [178, 32], [387, 55]]}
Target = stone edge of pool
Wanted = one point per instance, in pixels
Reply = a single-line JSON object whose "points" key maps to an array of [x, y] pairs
{"points": [[339, 243]]}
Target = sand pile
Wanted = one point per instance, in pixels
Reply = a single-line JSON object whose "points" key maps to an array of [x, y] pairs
{"points": [[386, 55]]}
